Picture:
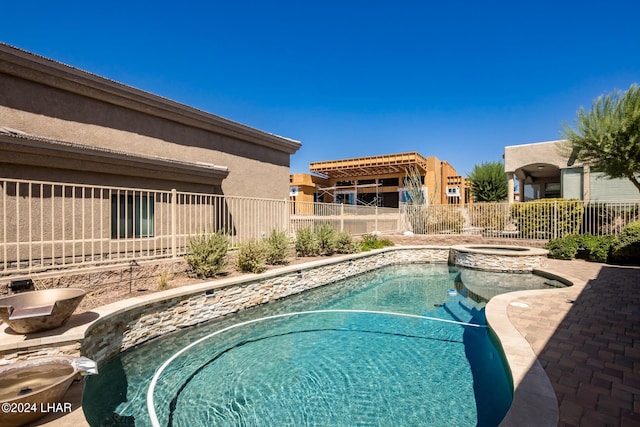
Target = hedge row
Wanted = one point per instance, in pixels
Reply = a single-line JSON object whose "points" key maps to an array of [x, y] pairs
{"points": [[541, 217], [621, 249], [207, 254]]}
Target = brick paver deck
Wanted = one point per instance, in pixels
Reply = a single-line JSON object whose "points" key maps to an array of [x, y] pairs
{"points": [[587, 338]]}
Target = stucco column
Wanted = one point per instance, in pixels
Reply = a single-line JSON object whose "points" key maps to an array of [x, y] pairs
{"points": [[521, 189], [510, 187]]}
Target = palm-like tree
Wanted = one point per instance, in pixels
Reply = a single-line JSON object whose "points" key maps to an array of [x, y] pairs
{"points": [[607, 138], [489, 182]]}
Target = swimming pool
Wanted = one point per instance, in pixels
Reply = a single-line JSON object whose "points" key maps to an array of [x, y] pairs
{"points": [[325, 366]]}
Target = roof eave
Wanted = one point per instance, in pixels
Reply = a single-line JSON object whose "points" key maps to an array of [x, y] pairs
{"points": [[34, 143], [39, 69]]}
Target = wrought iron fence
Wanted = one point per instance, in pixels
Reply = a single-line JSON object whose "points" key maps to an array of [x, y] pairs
{"points": [[540, 219], [50, 225], [351, 218]]}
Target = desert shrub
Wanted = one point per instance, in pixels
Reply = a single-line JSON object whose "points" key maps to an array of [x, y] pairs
{"points": [[345, 244], [307, 243], [371, 241], [563, 248], [547, 217], [252, 257], [327, 239], [277, 247], [163, 281], [626, 249], [489, 215], [386, 242], [434, 218], [207, 254], [446, 220]]}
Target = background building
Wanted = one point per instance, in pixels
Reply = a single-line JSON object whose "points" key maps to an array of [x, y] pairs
{"points": [[378, 181], [546, 170]]}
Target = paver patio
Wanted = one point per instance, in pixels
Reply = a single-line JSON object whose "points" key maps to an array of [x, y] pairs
{"points": [[587, 338]]}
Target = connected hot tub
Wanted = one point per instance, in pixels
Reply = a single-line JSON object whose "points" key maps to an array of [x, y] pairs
{"points": [[513, 259]]}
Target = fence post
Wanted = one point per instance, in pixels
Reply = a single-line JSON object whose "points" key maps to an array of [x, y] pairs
{"points": [[376, 224], [286, 220], [555, 219], [341, 217], [174, 223]]}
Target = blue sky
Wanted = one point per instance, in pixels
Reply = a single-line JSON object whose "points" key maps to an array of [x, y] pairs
{"points": [[458, 79]]}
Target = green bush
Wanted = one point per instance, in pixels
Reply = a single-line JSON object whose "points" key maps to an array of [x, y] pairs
{"points": [[371, 241], [207, 254], [563, 248], [488, 182], [252, 257], [277, 247], [345, 243], [307, 243], [327, 239], [626, 249], [547, 217], [386, 242], [597, 247]]}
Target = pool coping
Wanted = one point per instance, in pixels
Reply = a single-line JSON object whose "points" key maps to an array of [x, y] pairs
{"points": [[534, 400], [489, 249]]}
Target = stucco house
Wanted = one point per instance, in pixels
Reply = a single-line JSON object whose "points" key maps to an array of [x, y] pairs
{"points": [[546, 170], [94, 169], [61, 123]]}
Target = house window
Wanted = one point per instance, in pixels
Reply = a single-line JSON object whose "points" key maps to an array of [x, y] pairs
{"points": [[552, 190], [132, 215]]}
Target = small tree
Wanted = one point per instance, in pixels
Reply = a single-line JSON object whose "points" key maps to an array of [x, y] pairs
{"points": [[607, 138], [413, 186], [416, 203], [489, 182]]}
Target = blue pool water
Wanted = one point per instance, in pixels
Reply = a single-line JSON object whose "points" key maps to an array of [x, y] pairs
{"points": [[349, 358]]}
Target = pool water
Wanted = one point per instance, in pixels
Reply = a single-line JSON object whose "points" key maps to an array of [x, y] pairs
{"points": [[349, 358]]}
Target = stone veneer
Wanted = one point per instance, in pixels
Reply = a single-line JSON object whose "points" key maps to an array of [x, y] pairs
{"points": [[512, 259], [179, 308], [100, 280]]}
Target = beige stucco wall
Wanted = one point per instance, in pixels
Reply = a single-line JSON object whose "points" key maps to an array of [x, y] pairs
{"points": [[47, 99], [64, 125], [254, 171], [517, 156]]}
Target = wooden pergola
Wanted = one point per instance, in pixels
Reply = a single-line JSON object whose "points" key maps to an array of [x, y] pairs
{"points": [[368, 166]]}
